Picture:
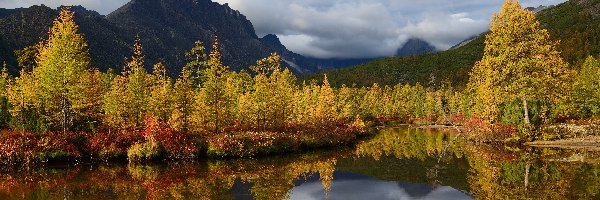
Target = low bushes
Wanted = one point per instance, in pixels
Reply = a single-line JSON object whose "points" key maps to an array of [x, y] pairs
{"points": [[109, 144], [158, 141], [143, 152], [244, 144], [27, 147], [294, 138], [175, 144]]}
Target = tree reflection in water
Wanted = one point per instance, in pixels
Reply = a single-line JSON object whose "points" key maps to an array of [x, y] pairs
{"points": [[396, 163]]}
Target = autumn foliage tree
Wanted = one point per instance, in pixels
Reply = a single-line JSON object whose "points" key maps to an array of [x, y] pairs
{"points": [[5, 80], [585, 97], [197, 61], [126, 103], [520, 62], [183, 101], [160, 103], [63, 74], [214, 102]]}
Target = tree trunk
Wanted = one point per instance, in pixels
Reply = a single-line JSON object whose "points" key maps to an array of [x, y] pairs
{"points": [[526, 110], [65, 110], [527, 167], [23, 112]]}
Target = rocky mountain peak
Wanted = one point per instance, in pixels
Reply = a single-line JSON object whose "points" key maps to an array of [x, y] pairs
{"points": [[273, 41], [415, 46]]}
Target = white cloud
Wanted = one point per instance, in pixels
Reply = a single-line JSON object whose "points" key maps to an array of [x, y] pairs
{"points": [[368, 28], [444, 31]]}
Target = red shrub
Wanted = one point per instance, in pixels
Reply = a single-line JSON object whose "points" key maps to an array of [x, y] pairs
{"points": [[177, 145], [114, 142], [482, 131], [18, 146]]}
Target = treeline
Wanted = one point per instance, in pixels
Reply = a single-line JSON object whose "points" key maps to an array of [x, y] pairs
{"points": [[60, 107]]}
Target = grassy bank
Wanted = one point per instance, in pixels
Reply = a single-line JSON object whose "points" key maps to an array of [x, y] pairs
{"points": [[158, 142]]}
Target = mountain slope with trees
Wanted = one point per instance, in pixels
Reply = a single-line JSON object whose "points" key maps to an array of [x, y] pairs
{"points": [[576, 24]]}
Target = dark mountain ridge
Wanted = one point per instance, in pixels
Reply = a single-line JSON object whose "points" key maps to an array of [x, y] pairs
{"points": [[167, 28]]}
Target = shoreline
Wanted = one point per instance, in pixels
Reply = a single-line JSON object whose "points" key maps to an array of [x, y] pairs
{"points": [[584, 143], [34, 149]]}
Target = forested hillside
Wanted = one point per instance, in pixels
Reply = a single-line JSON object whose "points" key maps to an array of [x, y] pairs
{"points": [[575, 23], [452, 65]]}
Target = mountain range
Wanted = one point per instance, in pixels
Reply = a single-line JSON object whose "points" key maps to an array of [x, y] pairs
{"points": [[167, 29]]}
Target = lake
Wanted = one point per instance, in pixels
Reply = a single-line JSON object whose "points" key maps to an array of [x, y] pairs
{"points": [[397, 163]]}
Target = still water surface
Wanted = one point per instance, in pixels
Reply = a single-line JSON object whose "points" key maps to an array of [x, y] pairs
{"points": [[397, 163]]}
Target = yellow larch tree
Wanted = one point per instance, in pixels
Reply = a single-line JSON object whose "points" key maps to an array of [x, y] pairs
{"points": [[520, 62], [62, 67]]}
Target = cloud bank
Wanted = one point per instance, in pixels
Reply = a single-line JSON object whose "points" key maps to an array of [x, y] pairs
{"points": [[346, 28], [369, 28]]}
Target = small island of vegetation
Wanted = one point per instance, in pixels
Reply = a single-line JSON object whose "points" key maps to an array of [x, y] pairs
{"points": [[61, 108]]}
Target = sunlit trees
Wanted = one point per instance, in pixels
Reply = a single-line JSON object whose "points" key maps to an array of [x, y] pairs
{"points": [[586, 90], [87, 100], [325, 109], [520, 62], [26, 57], [21, 96], [62, 74], [268, 103], [346, 103], [284, 85], [260, 97], [183, 101], [214, 102], [160, 104], [126, 103], [197, 62], [5, 80]]}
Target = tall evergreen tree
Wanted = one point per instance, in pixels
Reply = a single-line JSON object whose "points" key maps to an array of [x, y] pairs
{"points": [[183, 100], [213, 96], [21, 96], [5, 81], [126, 103], [325, 109], [160, 103], [197, 62], [138, 85]]}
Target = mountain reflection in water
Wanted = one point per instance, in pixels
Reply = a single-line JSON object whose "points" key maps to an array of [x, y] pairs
{"points": [[349, 186], [397, 163]]}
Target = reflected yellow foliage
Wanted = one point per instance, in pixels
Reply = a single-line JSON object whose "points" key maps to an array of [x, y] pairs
{"points": [[404, 144]]}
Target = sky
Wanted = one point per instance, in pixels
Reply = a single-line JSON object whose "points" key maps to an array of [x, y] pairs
{"points": [[347, 28]]}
